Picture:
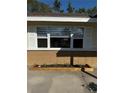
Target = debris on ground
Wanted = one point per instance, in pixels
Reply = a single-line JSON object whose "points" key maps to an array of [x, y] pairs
{"points": [[92, 87]]}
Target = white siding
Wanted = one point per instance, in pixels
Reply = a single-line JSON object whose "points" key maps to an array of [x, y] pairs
{"points": [[94, 39], [32, 37], [90, 38]]}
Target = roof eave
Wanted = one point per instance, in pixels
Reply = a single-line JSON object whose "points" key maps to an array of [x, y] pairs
{"points": [[61, 19]]}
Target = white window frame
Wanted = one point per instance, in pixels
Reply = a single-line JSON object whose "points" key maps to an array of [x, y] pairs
{"points": [[41, 37], [77, 38]]}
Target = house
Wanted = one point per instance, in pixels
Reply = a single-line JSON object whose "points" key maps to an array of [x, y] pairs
{"points": [[61, 39]]}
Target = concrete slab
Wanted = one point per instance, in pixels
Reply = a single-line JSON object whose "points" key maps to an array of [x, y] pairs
{"points": [[55, 82]]}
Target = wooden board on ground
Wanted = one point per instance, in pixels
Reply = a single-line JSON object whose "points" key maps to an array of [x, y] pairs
{"points": [[56, 69]]}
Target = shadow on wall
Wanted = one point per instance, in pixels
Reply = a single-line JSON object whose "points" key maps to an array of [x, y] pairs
{"points": [[92, 20], [73, 54]]}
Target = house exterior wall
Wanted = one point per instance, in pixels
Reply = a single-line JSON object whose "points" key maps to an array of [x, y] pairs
{"points": [[57, 57], [89, 40], [85, 56], [31, 37]]}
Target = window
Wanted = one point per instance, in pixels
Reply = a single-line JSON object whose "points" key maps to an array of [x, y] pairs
{"points": [[77, 32], [42, 32], [78, 43], [60, 42], [60, 37], [58, 31], [42, 43], [41, 37], [78, 37]]}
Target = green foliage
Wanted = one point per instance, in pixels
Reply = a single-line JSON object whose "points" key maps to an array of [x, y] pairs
{"points": [[36, 6], [80, 10], [92, 11], [57, 5], [70, 8], [61, 11]]}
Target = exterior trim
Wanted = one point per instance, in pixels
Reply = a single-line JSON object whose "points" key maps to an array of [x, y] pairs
{"points": [[64, 49], [61, 19]]}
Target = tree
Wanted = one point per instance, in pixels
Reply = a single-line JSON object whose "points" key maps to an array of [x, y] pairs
{"points": [[92, 11], [70, 8], [32, 5], [36, 6], [61, 11], [80, 10], [57, 5]]}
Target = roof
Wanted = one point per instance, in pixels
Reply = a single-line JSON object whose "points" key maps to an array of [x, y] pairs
{"points": [[58, 15], [93, 16]]}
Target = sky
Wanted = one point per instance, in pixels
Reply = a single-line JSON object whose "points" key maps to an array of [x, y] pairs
{"points": [[76, 3]]}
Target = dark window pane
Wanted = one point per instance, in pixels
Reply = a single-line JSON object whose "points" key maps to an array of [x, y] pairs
{"points": [[42, 31], [60, 42], [78, 43], [78, 32], [42, 43], [59, 31], [53, 31]]}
